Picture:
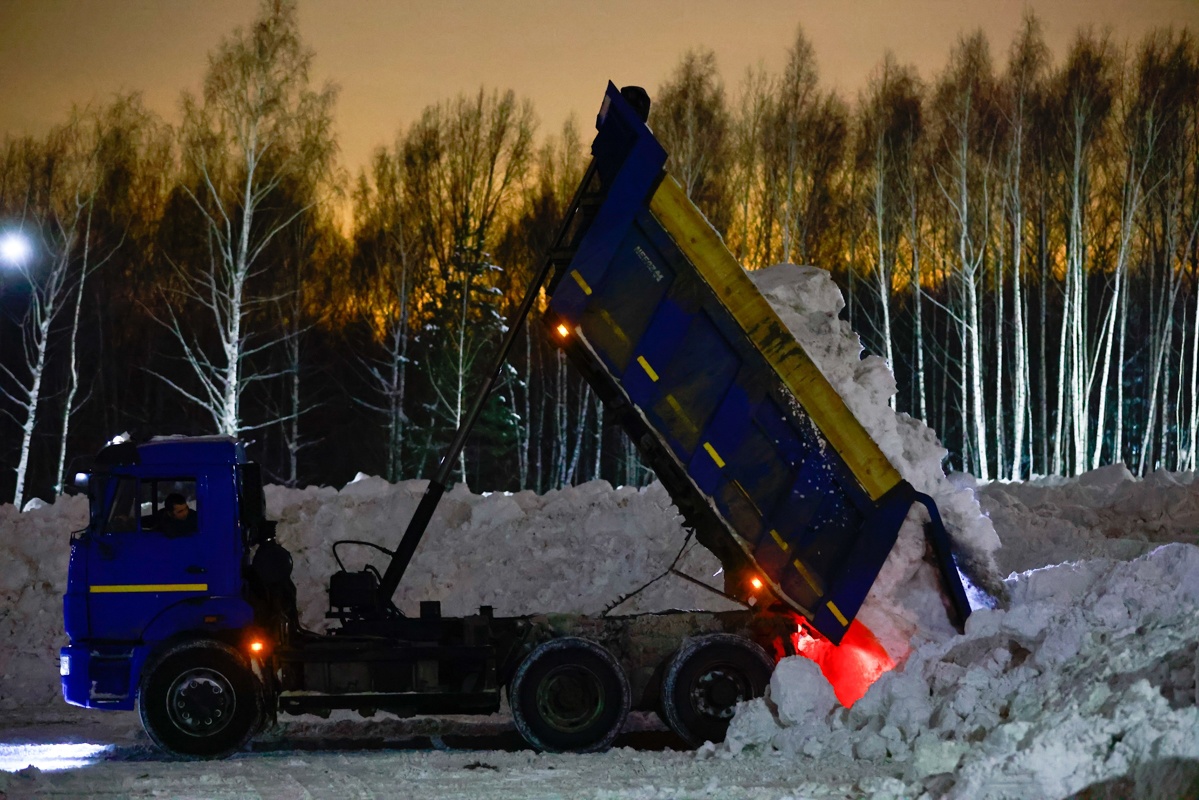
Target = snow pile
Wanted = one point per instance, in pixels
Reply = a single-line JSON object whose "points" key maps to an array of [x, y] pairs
{"points": [[1091, 675], [573, 550], [32, 581], [905, 600], [1103, 513]]}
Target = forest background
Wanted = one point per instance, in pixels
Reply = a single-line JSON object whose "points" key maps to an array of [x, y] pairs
{"points": [[1016, 234]]}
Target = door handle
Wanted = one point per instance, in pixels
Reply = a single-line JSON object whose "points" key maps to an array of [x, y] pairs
{"points": [[194, 570]]}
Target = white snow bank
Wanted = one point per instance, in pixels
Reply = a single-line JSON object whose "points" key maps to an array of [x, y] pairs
{"points": [[1104, 513], [576, 550], [1091, 674], [33, 576]]}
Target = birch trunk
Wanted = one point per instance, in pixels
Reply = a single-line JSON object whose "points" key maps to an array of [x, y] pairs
{"points": [[72, 362], [1020, 337]]}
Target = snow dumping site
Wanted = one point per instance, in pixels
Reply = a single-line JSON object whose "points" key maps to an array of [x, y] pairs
{"points": [[1078, 672]]}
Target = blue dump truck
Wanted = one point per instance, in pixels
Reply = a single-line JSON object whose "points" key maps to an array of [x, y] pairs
{"points": [[180, 601]]}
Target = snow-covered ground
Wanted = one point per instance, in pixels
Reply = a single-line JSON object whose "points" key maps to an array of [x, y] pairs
{"points": [[1080, 681]]}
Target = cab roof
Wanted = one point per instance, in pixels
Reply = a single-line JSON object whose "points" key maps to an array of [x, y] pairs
{"points": [[192, 450]]}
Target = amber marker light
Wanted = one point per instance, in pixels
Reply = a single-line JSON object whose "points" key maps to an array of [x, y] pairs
{"points": [[756, 583], [563, 331], [257, 647]]}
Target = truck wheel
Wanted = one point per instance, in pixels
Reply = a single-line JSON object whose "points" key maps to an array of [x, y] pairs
{"points": [[705, 680], [569, 694], [200, 700]]}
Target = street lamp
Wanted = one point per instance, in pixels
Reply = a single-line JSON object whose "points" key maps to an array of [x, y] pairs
{"points": [[15, 248]]}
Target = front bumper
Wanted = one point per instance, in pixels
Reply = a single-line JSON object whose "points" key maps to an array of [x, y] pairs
{"points": [[100, 676]]}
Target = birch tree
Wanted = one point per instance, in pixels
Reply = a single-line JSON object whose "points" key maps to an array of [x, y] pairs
{"points": [[44, 269], [965, 115], [385, 245], [748, 235], [1027, 63], [1151, 104], [890, 120], [464, 161], [559, 167], [111, 152], [307, 247], [1188, 160], [1085, 95], [258, 127], [912, 180], [690, 119], [52, 192], [803, 148], [1166, 86]]}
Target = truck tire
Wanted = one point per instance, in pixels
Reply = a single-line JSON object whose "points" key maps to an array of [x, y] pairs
{"points": [[705, 680], [569, 695], [200, 700]]}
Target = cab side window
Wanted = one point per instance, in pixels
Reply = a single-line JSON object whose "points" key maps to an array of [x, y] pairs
{"points": [[170, 506]]}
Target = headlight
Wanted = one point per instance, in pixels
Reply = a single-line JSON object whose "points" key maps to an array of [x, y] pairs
{"points": [[64, 665]]}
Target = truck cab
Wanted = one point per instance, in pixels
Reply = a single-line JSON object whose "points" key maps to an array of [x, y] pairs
{"points": [[140, 575]]}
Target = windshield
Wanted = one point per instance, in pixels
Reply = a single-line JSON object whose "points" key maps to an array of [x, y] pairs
{"points": [[97, 489]]}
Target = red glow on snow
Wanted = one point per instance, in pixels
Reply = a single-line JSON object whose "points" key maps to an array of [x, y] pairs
{"points": [[852, 666]]}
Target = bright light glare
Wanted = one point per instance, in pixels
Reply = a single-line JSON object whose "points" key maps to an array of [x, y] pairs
{"points": [[14, 249], [563, 331], [756, 583], [48, 757], [256, 647]]}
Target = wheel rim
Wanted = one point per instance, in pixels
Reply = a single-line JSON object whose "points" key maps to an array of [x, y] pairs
{"points": [[570, 698], [716, 691], [201, 702]]}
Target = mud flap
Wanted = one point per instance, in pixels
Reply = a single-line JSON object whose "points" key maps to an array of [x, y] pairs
{"points": [[938, 537], [875, 541]]}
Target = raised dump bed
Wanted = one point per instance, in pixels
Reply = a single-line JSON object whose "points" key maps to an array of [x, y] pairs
{"points": [[760, 453]]}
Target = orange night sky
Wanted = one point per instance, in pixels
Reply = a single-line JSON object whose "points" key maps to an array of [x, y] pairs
{"points": [[392, 58]]}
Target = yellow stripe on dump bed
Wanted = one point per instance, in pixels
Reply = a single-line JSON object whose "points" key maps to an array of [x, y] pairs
{"points": [[653, 376], [779, 540], [704, 248], [715, 456], [574, 273], [149, 587]]}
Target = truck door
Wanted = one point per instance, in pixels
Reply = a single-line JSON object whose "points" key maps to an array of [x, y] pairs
{"points": [[151, 551]]}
